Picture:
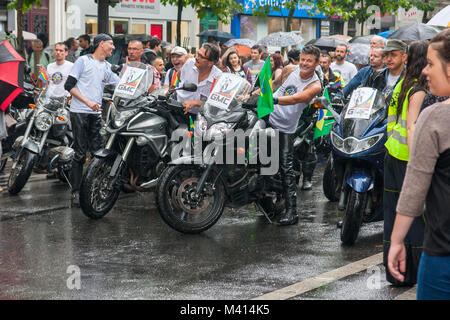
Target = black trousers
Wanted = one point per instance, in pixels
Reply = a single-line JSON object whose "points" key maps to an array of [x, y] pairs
{"points": [[394, 174], [287, 170], [86, 133]]}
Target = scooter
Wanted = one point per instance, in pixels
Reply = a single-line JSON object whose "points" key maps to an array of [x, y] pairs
{"points": [[354, 171]]}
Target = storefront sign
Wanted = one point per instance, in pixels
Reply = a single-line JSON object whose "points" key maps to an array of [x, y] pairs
{"points": [[142, 6], [302, 10], [407, 17]]}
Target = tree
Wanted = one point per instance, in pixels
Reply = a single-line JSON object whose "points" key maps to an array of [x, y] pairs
{"points": [[361, 10], [222, 9], [21, 6], [103, 14]]}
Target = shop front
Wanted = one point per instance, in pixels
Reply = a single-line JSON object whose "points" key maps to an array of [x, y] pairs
{"points": [[248, 25], [133, 17]]}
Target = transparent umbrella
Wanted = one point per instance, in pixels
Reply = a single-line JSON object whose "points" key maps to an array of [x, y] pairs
{"points": [[281, 39], [359, 53]]}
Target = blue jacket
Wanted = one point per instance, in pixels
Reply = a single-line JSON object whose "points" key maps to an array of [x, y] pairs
{"points": [[357, 80]]}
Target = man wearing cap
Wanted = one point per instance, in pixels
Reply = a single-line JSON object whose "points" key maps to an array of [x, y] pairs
{"points": [[178, 58], [86, 83], [394, 57]]}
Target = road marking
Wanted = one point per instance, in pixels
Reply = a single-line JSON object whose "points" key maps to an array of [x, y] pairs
{"points": [[322, 279]]}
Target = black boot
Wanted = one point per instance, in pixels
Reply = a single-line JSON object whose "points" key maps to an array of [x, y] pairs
{"points": [[289, 181], [76, 176]]}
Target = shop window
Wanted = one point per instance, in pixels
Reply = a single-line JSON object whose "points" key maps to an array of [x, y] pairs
{"points": [[40, 24], [172, 33], [351, 31], [249, 27], [336, 27], [91, 26], [119, 27], [138, 28], [275, 24]]}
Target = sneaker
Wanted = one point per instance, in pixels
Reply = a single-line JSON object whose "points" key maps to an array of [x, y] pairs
{"points": [[75, 200], [307, 185]]}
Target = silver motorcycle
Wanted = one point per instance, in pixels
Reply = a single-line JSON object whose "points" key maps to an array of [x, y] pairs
{"points": [[46, 137]]}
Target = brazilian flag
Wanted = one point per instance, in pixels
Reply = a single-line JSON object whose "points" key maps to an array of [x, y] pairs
{"points": [[265, 101], [323, 127]]}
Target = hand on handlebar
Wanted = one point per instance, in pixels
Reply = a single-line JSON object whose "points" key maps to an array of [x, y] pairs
{"points": [[190, 104]]}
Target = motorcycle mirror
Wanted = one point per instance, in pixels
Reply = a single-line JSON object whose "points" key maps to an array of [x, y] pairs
{"points": [[187, 86], [116, 68], [321, 103], [27, 69]]}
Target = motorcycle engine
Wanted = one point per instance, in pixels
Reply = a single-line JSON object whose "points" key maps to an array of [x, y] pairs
{"points": [[143, 160]]}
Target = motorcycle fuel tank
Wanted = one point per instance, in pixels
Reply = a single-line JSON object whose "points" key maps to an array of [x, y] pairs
{"points": [[148, 123]]}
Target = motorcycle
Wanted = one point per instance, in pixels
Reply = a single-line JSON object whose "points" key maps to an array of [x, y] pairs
{"points": [[194, 189], [46, 133], [354, 170], [136, 131]]}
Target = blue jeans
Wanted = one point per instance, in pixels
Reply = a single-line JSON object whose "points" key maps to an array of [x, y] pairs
{"points": [[433, 279]]}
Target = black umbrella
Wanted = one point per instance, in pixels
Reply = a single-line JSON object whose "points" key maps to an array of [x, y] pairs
{"points": [[415, 31], [11, 74], [328, 44], [221, 36]]}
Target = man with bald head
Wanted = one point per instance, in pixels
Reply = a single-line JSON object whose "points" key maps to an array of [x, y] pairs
{"points": [[376, 63], [377, 42]]}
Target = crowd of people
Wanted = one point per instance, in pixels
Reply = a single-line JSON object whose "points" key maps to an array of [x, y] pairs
{"points": [[415, 81]]}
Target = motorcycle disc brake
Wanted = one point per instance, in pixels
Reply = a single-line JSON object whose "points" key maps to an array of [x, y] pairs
{"points": [[185, 198]]}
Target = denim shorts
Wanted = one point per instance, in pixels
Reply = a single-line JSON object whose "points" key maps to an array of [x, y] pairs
{"points": [[433, 279]]}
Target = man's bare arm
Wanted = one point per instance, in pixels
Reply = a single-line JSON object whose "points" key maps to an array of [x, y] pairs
{"points": [[306, 95]]}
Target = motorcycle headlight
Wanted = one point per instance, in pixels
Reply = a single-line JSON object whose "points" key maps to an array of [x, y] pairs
{"points": [[122, 117], [218, 130], [44, 121], [201, 125], [352, 145]]}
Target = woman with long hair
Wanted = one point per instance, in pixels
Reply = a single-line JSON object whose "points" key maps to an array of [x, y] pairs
{"points": [[403, 111], [234, 65], [276, 64], [427, 182]]}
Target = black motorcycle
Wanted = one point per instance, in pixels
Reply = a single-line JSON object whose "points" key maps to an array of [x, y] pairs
{"points": [[137, 133], [194, 189]]}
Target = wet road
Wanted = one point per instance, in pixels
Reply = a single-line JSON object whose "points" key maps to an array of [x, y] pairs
{"points": [[132, 254]]}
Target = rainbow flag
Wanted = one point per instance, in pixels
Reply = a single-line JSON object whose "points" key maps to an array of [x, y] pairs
{"points": [[191, 127], [43, 76], [175, 81], [337, 83]]}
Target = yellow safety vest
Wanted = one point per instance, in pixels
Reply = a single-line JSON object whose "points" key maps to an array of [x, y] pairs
{"points": [[397, 142]]}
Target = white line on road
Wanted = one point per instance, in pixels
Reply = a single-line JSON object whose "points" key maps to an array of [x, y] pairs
{"points": [[322, 279]]}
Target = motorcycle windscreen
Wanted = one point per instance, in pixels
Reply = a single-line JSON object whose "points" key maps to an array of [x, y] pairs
{"points": [[135, 81], [226, 97], [365, 105]]}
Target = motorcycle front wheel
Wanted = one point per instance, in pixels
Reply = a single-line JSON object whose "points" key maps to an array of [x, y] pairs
{"points": [[178, 204], [353, 214], [97, 193], [19, 176], [329, 182]]}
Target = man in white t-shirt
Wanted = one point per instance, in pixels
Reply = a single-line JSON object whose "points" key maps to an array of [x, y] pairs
{"points": [[347, 69], [202, 72], [59, 71]]}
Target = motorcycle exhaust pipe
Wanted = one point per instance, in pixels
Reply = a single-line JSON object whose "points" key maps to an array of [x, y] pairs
{"points": [[150, 184]]}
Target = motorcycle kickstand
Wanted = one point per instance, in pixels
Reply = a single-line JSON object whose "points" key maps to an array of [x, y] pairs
{"points": [[263, 211], [67, 179]]}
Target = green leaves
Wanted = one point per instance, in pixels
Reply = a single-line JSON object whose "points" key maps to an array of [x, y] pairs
{"points": [[27, 4]]}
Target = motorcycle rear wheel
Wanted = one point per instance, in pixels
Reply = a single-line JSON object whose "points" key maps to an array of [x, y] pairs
{"points": [[97, 194], [353, 217], [179, 209], [19, 176]]}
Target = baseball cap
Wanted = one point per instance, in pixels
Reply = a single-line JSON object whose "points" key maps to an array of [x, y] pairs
{"points": [[101, 37], [179, 51], [393, 45]]}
